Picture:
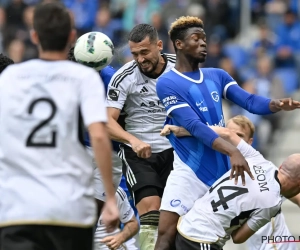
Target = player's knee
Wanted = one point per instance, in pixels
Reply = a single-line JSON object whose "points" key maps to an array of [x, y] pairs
{"points": [[147, 199]]}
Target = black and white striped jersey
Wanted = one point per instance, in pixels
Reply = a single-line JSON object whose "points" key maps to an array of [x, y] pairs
{"points": [[135, 93]]}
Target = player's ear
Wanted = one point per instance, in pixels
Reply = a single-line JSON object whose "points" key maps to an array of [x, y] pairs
{"points": [[178, 44], [34, 37], [160, 45], [72, 36], [250, 141]]}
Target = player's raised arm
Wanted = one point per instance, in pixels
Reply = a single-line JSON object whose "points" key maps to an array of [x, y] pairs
{"points": [[186, 117], [253, 103], [94, 115]]}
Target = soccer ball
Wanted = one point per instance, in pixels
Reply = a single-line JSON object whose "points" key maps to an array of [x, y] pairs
{"points": [[94, 49]]}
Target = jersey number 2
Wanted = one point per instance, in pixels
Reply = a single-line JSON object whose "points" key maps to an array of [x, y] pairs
{"points": [[29, 141], [224, 199]]}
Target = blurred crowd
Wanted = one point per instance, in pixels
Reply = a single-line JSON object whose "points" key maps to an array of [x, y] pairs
{"points": [[264, 59]]}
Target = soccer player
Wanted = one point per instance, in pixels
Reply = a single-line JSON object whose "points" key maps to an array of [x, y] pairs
{"points": [[147, 157], [4, 62], [245, 129], [118, 239], [239, 210], [45, 175], [192, 98]]}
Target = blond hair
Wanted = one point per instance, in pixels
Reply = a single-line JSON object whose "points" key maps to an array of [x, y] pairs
{"points": [[243, 122], [179, 27]]}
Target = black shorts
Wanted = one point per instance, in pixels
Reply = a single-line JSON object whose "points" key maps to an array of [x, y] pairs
{"points": [[146, 177], [42, 237], [184, 244]]}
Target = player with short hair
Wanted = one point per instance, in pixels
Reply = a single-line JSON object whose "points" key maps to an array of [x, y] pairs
{"points": [[118, 239], [192, 98], [45, 169], [239, 210], [147, 157], [245, 129], [4, 62]]}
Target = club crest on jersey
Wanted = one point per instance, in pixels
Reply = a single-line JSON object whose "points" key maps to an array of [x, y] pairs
{"points": [[215, 96]]}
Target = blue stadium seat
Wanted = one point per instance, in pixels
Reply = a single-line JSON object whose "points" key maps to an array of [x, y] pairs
{"points": [[237, 53], [289, 78]]}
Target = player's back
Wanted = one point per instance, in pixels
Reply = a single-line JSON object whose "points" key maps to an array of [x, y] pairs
{"points": [[42, 158], [226, 206]]}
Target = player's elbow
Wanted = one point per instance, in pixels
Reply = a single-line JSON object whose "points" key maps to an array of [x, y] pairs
{"points": [[238, 240], [98, 132]]}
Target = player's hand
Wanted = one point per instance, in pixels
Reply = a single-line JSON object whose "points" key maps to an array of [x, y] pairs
{"points": [[110, 215], [142, 149], [112, 242], [177, 131], [287, 104], [168, 129], [238, 166]]}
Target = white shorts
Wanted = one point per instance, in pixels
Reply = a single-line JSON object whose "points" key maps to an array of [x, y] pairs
{"points": [[278, 229], [99, 191], [183, 188]]}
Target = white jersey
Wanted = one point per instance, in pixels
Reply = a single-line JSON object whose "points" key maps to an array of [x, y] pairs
{"points": [[126, 214], [135, 93], [226, 206], [46, 175], [269, 237]]}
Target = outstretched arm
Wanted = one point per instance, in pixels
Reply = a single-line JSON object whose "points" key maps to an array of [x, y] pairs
{"points": [[224, 133], [257, 104]]}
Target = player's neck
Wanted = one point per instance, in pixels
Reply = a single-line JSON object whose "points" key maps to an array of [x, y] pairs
{"points": [[53, 55], [184, 64]]}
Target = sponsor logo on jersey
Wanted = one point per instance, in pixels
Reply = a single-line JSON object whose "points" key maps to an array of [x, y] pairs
{"points": [[199, 105], [125, 215], [113, 95], [215, 96], [169, 100], [144, 90], [142, 83], [175, 203]]}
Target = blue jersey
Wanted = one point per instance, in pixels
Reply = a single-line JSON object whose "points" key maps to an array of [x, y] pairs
{"points": [[106, 74], [194, 104]]}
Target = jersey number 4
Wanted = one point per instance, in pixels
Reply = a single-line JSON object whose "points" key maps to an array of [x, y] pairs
{"points": [[30, 138], [224, 199]]}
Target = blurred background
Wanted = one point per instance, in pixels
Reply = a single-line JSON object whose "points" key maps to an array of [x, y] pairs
{"points": [[256, 41]]}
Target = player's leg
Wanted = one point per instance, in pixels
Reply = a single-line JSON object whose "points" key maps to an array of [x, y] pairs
{"points": [[145, 186], [183, 243], [183, 188], [37, 237]]}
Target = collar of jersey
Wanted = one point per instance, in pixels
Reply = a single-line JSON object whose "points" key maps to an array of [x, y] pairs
{"points": [[188, 78]]}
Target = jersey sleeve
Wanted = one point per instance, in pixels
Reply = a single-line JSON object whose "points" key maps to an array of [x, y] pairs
{"points": [[226, 81], [248, 151], [106, 75], [125, 210], [92, 99], [167, 94], [117, 90], [261, 217]]}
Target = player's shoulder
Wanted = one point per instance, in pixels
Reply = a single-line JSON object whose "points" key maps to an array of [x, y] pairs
{"points": [[171, 58], [121, 195], [127, 73], [213, 71]]}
